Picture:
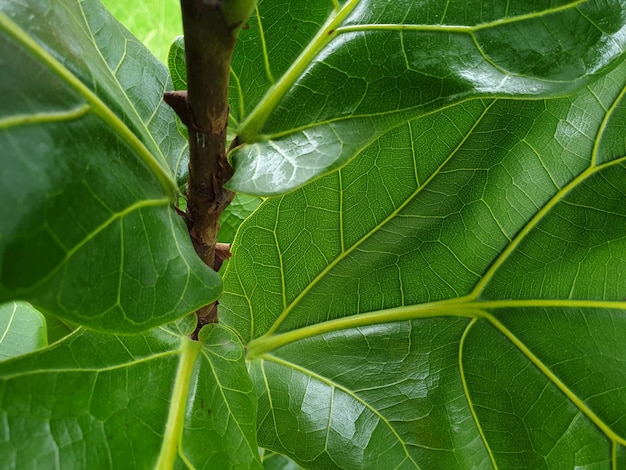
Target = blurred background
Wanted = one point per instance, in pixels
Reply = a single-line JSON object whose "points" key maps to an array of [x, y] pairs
{"points": [[155, 22]]}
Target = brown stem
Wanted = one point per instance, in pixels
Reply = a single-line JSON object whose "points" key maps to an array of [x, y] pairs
{"points": [[209, 44]]}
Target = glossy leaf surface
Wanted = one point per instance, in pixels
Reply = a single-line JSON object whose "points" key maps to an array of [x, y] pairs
{"points": [[274, 461], [240, 209], [157, 398], [315, 83], [89, 153], [453, 297], [22, 329], [176, 63]]}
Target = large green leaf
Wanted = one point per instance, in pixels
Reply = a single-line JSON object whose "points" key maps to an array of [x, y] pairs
{"points": [[453, 297], [314, 83], [88, 159], [154, 399]]}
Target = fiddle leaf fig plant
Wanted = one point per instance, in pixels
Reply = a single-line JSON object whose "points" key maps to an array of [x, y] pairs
{"points": [[426, 204]]}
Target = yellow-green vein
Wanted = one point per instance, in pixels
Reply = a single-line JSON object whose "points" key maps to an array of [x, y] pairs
{"points": [[96, 370], [6, 331], [459, 307], [266, 59], [256, 119], [603, 125], [404, 115], [532, 223], [41, 118], [227, 402], [453, 308], [172, 438], [270, 402], [281, 266], [240, 99], [470, 404], [555, 380], [98, 106], [115, 216], [387, 219], [458, 28], [148, 135], [348, 392], [190, 271]]}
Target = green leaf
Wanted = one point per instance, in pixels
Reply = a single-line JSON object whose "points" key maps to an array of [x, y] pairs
{"points": [[87, 228], [452, 298], [153, 399], [225, 428], [22, 329], [274, 461], [176, 63], [314, 85], [239, 210], [178, 71]]}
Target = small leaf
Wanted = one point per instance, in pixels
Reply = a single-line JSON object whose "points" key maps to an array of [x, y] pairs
{"points": [[22, 329], [237, 212], [224, 404], [315, 85], [97, 400], [274, 461], [91, 150]]}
